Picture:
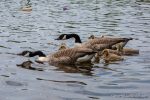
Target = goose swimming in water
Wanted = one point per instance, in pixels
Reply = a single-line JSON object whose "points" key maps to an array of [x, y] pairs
{"points": [[63, 46], [108, 57], [91, 42], [66, 56], [122, 44], [96, 44]]}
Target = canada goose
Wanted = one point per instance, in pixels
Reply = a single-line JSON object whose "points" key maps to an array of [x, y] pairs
{"points": [[96, 44], [108, 57], [67, 56], [62, 46], [91, 42], [32, 54]]}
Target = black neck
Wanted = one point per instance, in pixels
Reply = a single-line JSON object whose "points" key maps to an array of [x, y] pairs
{"points": [[77, 38], [39, 53]]}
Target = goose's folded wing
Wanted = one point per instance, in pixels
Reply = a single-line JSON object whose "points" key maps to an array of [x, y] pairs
{"points": [[64, 59], [106, 40], [100, 47]]}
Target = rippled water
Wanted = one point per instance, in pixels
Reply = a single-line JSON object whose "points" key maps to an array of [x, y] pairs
{"points": [[36, 30]]}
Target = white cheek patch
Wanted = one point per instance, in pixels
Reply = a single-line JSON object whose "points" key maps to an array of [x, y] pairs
{"points": [[42, 59], [27, 54], [64, 38]]}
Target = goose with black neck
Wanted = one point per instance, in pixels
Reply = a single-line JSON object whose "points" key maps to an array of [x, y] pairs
{"points": [[91, 42], [66, 56]]}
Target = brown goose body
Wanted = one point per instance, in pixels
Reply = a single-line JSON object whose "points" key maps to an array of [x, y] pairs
{"points": [[105, 40], [100, 44], [92, 42], [67, 56], [108, 39]]}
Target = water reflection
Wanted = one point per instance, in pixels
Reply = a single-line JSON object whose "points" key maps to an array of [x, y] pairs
{"points": [[27, 65], [75, 82], [85, 69]]}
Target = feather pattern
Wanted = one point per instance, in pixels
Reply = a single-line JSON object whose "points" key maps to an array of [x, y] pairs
{"points": [[68, 56]]}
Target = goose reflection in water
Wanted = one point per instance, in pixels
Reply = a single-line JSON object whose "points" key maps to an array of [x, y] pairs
{"points": [[85, 69]]}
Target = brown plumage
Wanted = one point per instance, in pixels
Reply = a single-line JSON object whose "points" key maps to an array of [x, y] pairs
{"points": [[67, 56], [115, 52], [91, 42], [107, 39], [63, 46], [129, 51], [108, 57]]}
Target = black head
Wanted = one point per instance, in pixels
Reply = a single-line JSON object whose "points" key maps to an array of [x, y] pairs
{"points": [[62, 37], [24, 53], [32, 54], [37, 53], [68, 36]]}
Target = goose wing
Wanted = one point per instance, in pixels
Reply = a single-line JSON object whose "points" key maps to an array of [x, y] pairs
{"points": [[123, 43], [105, 40], [69, 56], [61, 60]]}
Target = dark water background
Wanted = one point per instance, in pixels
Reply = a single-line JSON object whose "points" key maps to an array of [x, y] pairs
{"points": [[36, 30]]}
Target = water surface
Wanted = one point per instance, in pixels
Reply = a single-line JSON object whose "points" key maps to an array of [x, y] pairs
{"points": [[36, 30]]}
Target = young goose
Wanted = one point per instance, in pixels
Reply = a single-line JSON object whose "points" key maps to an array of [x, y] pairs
{"points": [[32, 54], [62, 46], [93, 37], [108, 57], [67, 56], [129, 51], [96, 58]]}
